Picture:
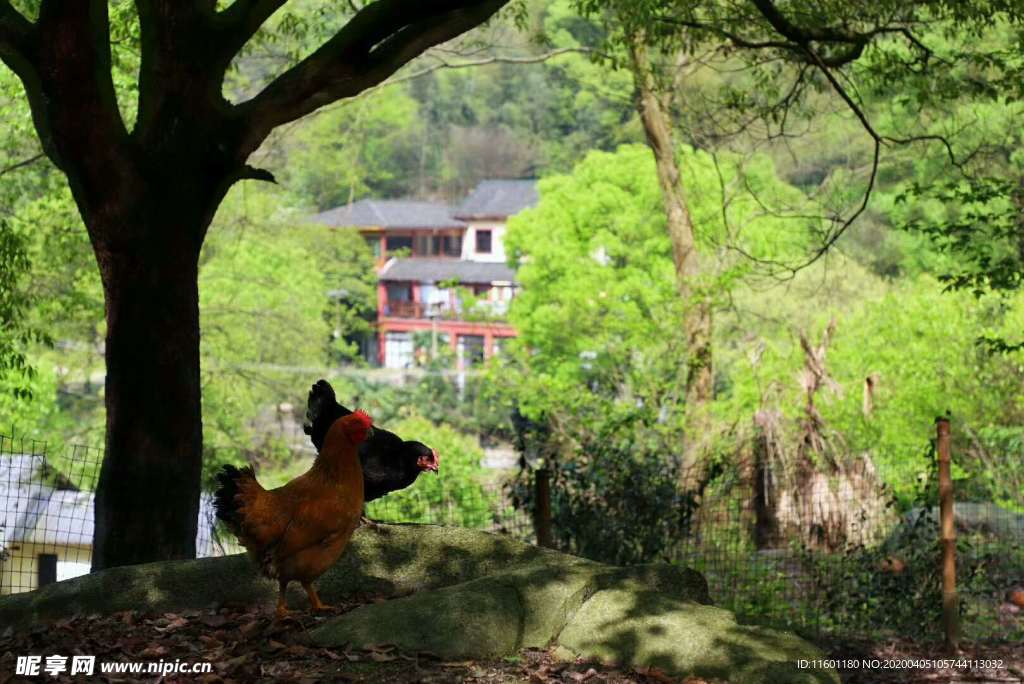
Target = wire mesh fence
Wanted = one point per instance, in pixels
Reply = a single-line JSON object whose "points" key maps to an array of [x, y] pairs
{"points": [[822, 555], [888, 585], [47, 514], [47, 499], [482, 506]]}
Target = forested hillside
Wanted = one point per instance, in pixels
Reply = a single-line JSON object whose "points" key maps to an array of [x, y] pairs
{"points": [[914, 256]]}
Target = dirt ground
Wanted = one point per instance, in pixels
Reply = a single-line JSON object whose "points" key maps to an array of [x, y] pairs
{"points": [[245, 644]]}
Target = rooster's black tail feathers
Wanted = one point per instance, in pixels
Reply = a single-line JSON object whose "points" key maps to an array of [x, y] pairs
{"points": [[322, 409], [224, 501]]}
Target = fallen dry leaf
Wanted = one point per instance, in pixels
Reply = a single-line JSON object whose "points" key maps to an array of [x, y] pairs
{"points": [[214, 620], [249, 628]]}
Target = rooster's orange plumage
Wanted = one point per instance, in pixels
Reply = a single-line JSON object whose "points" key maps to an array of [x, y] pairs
{"points": [[296, 532]]}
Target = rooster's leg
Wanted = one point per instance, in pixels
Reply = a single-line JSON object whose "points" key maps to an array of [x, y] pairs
{"points": [[282, 605], [314, 598]]}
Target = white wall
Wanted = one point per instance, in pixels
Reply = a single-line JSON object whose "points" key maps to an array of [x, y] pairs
{"points": [[497, 254]]}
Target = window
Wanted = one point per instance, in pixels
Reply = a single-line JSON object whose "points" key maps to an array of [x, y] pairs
{"points": [[47, 568], [399, 292], [483, 241], [470, 350], [452, 245], [398, 350], [374, 243], [396, 242]]}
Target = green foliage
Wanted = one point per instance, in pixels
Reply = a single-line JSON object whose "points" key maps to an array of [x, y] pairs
{"points": [[599, 306], [599, 309], [16, 337], [597, 301], [477, 405], [993, 461], [347, 266], [920, 344], [440, 133], [614, 497], [601, 347], [456, 496], [357, 148], [896, 587], [263, 285]]}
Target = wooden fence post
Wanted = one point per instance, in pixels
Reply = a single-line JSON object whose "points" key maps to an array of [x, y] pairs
{"points": [[542, 508], [950, 601]]}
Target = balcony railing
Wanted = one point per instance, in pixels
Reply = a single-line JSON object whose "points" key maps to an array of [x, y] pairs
{"points": [[405, 309], [482, 311]]}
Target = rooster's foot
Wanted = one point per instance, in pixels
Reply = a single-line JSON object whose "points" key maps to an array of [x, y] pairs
{"points": [[315, 604]]}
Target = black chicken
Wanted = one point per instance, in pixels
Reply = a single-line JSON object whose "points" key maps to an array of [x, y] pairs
{"points": [[389, 463]]}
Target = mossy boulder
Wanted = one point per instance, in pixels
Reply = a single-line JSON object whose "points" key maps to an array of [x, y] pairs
{"points": [[388, 560], [641, 626], [466, 594], [524, 607]]}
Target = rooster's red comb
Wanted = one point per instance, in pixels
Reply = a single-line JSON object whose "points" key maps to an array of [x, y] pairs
{"points": [[363, 418]]}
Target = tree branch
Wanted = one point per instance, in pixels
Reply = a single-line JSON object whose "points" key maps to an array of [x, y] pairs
{"points": [[16, 33], [804, 35], [380, 39], [240, 22], [804, 44], [74, 106], [252, 173], [485, 61], [19, 164], [796, 40]]}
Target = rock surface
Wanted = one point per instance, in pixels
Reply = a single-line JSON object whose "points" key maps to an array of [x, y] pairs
{"points": [[465, 594]]}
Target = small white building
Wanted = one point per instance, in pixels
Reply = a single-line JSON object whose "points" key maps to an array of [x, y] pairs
{"points": [[46, 526]]}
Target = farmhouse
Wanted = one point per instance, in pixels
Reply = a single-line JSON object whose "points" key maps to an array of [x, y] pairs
{"points": [[442, 271]]}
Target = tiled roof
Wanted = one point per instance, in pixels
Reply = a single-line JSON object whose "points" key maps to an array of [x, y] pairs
{"points": [[436, 270], [63, 518], [498, 199], [372, 213], [23, 497]]}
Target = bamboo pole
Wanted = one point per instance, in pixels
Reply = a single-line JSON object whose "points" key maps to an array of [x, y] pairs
{"points": [[950, 600]]}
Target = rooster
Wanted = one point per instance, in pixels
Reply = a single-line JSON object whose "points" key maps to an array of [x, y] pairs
{"points": [[296, 532], [389, 463]]}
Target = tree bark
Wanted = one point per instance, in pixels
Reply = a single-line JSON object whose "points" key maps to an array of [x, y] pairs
{"points": [[147, 499], [654, 107]]}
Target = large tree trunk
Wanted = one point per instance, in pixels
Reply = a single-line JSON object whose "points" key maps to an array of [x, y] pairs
{"points": [[654, 107], [147, 501]]}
